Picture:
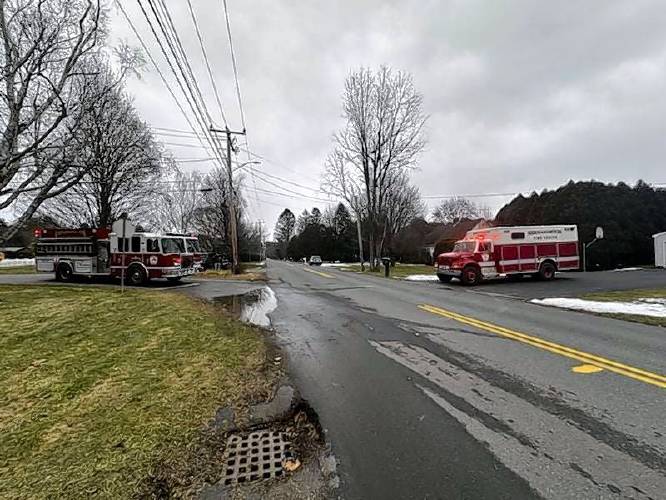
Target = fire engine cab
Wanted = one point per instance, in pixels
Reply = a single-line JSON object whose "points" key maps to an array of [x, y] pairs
{"points": [[103, 252], [539, 251], [192, 250]]}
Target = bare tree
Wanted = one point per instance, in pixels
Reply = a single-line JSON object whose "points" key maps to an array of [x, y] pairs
{"points": [[124, 161], [402, 205], [383, 137], [177, 202], [212, 217], [43, 45], [350, 189], [454, 210]]}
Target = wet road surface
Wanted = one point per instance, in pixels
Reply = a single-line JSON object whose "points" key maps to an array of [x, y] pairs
{"points": [[431, 391]]}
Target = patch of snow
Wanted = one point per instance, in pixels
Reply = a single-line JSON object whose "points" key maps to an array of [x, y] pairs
{"points": [[641, 307], [336, 264], [653, 300], [421, 277], [17, 262], [627, 269]]}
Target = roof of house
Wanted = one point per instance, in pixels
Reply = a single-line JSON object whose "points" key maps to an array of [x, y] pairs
{"points": [[453, 232], [659, 235]]}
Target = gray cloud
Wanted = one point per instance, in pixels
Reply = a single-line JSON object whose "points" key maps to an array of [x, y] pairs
{"points": [[522, 94]]}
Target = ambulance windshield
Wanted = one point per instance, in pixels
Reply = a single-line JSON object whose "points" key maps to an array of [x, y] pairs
{"points": [[464, 246]]}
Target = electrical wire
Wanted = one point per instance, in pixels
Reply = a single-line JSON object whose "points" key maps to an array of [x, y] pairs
{"points": [[233, 63], [171, 66], [165, 23], [286, 180], [205, 57], [157, 68]]}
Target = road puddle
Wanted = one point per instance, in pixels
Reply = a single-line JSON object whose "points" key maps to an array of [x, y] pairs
{"points": [[251, 307]]}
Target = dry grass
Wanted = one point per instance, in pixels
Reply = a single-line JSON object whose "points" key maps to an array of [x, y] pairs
{"points": [[97, 387], [252, 271], [398, 271], [630, 296]]}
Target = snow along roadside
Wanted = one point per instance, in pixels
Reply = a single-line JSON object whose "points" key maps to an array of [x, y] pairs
{"points": [[642, 307], [17, 262], [421, 277]]}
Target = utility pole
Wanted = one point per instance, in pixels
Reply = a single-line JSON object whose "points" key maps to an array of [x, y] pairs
{"points": [[235, 264], [261, 240]]}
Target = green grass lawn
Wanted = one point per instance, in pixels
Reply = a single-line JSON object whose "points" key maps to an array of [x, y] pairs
{"points": [[398, 271], [630, 296], [99, 390], [18, 270]]}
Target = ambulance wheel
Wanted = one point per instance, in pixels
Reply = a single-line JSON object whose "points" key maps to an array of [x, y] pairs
{"points": [[547, 271], [64, 272], [471, 275], [444, 278], [136, 276]]}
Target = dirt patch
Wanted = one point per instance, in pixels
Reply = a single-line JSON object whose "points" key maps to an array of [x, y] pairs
{"points": [[199, 471]]}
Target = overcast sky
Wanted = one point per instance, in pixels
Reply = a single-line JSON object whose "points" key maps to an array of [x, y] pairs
{"points": [[522, 95]]}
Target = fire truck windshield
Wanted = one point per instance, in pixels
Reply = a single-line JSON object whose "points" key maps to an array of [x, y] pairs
{"points": [[464, 246], [172, 245], [192, 246]]}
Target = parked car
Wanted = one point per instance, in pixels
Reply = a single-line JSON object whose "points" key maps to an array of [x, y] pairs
{"points": [[216, 261], [315, 260]]}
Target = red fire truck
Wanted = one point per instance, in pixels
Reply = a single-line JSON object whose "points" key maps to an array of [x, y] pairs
{"points": [[103, 252], [192, 250], [538, 251]]}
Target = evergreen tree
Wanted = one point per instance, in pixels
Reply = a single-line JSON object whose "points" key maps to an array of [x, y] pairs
{"points": [[629, 216], [284, 230]]}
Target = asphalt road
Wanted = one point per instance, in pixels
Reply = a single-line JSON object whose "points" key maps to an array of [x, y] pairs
{"points": [[433, 391], [573, 284]]}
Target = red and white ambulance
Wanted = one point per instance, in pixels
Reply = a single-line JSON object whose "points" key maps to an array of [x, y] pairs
{"points": [[103, 252], [539, 251]]}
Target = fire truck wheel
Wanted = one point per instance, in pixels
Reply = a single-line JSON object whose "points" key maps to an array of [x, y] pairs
{"points": [[471, 275], [547, 271], [136, 275], [64, 272]]}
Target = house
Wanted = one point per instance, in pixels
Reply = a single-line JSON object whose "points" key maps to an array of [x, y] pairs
{"points": [[442, 238], [16, 252], [660, 249]]}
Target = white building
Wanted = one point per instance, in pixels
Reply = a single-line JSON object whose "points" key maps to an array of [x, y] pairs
{"points": [[660, 249]]}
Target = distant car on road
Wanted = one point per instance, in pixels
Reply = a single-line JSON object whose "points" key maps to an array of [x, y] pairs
{"points": [[315, 260]]}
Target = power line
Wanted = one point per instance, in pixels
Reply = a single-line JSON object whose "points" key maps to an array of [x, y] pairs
{"points": [[166, 56], [205, 57], [152, 60], [287, 181], [172, 40], [277, 164], [288, 192], [181, 144], [475, 195], [233, 63], [297, 197]]}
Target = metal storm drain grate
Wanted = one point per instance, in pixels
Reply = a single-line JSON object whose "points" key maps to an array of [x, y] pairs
{"points": [[255, 456]]}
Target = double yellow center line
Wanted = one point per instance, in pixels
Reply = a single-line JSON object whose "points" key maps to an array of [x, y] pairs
{"points": [[591, 359], [323, 275]]}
